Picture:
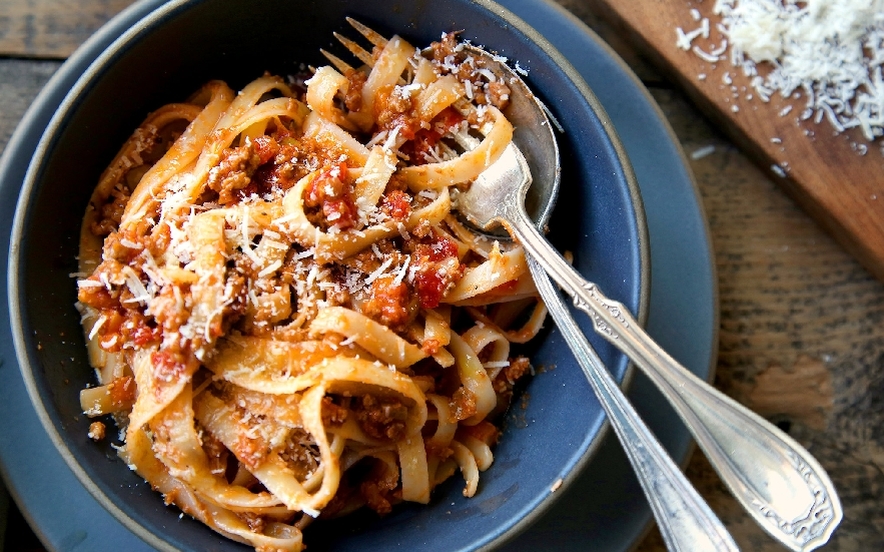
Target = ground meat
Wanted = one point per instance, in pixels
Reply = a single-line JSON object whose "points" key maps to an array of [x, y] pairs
{"points": [[494, 92], [463, 404], [99, 296], [331, 192], [390, 302], [396, 204], [96, 431], [256, 522], [287, 161], [435, 267], [518, 367], [423, 229], [237, 290], [332, 414], [300, 453], [378, 489], [395, 109], [431, 346], [444, 48], [108, 298], [353, 97], [233, 172], [125, 245], [438, 451], [158, 239], [216, 453], [369, 483], [505, 381], [368, 260], [381, 418], [250, 447], [170, 365], [168, 309], [122, 392], [266, 147], [110, 213], [498, 94], [484, 431]]}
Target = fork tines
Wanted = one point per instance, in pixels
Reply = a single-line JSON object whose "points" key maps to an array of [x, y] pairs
{"points": [[363, 55]]}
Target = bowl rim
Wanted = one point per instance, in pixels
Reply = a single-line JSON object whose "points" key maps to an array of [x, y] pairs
{"points": [[157, 12]]}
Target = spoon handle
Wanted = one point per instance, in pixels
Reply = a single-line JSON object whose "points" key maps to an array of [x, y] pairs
{"points": [[685, 520], [775, 479]]}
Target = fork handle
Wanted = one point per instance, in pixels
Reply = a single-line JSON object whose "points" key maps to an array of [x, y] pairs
{"points": [[776, 480], [685, 520]]}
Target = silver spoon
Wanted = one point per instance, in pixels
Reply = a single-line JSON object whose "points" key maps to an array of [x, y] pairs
{"points": [[685, 520], [775, 479]]}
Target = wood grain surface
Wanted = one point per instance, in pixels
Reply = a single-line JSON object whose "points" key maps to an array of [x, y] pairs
{"points": [[802, 322], [40, 28], [828, 174]]}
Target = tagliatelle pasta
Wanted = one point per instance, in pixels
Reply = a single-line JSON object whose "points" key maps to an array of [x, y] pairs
{"points": [[286, 317]]}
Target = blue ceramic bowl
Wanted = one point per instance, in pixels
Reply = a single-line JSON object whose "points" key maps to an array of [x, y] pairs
{"points": [[555, 423]]}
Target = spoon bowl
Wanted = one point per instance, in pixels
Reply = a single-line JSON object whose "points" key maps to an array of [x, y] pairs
{"points": [[535, 134]]}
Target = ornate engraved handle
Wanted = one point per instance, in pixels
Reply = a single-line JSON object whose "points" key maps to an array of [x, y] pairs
{"points": [[775, 479], [685, 520]]}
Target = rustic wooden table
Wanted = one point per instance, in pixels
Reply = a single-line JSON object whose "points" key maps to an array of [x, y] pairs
{"points": [[801, 333]]}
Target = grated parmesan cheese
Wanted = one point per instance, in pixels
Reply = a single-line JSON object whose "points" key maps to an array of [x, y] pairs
{"points": [[829, 52], [703, 152]]}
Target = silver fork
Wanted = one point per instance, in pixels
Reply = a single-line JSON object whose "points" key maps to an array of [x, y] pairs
{"points": [[685, 520]]}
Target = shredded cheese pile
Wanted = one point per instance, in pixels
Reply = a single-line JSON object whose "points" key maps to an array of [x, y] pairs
{"points": [[829, 52]]}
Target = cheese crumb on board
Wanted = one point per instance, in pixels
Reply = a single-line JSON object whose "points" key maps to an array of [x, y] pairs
{"points": [[828, 52], [702, 152]]}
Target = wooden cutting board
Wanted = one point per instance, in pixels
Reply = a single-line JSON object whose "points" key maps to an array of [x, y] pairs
{"points": [[827, 174]]}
